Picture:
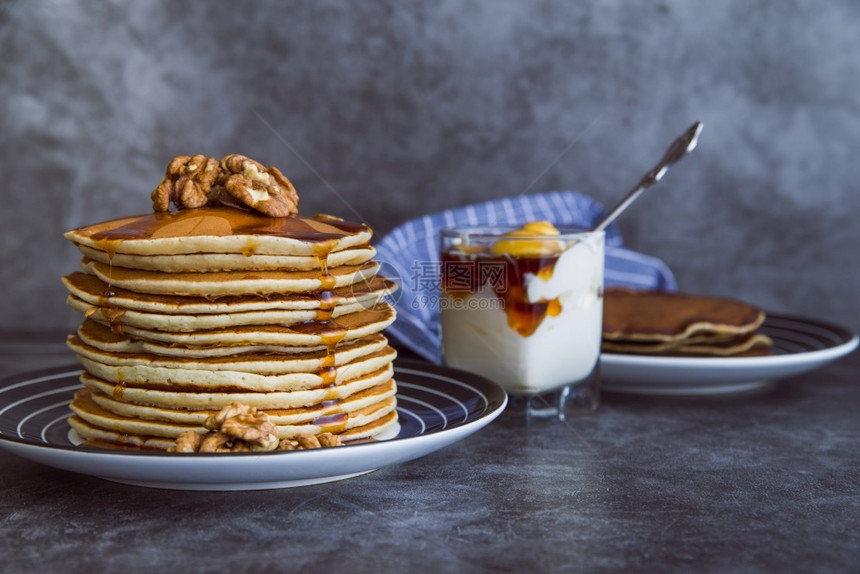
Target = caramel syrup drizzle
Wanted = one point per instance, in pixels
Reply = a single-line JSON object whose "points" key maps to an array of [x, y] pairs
{"points": [[327, 282], [108, 310], [119, 388], [221, 221], [523, 316], [333, 420]]}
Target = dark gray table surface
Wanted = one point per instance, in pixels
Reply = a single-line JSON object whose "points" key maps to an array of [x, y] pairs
{"points": [[760, 482]]}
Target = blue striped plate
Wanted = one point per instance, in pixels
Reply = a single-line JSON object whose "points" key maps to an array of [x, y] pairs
{"points": [[437, 406], [800, 345]]}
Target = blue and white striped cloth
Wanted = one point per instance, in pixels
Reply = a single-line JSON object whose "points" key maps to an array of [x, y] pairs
{"points": [[409, 254]]}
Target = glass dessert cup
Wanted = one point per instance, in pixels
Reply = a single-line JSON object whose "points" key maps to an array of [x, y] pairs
{"points": [[524, 308]]}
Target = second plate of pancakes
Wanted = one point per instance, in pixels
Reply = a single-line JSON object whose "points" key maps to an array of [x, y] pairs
{"points": [[799, 345]]}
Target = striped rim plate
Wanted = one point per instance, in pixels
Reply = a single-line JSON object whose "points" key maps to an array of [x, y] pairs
{"points": [[437, 406], [800, 345]]}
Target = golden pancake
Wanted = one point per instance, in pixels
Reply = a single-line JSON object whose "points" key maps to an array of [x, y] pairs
{"points": [[103, 337], [749, 344], [355, 325], [630, 315], [200, 262], [102, 438], [190, 323], [220, 230], [99, 339], [96, 292], [229, 282], [651, 347]]}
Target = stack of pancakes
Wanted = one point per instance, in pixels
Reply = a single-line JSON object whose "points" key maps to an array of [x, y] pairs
{"points": [[188, 312], [678, 324]]}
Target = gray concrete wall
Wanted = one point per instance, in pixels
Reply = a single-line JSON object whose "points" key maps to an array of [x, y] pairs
{"points": [[384, 110]]}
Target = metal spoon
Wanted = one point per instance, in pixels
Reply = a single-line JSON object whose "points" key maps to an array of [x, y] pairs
{"points": [[686, 142]]}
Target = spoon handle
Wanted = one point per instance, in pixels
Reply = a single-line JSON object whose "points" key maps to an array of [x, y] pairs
{"points": [[685, 143]]}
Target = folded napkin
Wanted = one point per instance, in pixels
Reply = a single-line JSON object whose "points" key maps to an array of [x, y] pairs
{"points": [[410, 256]]}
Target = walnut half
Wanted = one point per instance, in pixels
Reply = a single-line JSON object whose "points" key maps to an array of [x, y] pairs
{"points": [[188, 183], [265, 189]]}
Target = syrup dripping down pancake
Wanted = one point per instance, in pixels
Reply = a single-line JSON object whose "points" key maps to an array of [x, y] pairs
{"points": [[219, 230], [228, 282], [211, 262]]}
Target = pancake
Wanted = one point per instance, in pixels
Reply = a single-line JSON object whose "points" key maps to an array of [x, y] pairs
{"points": [[753, 344], [132, 353], [104, 337], [356, 325], [96, 292], [228, 282], [189, 323], [200, 262], [631, 315], [679, 324], [220, 230]]}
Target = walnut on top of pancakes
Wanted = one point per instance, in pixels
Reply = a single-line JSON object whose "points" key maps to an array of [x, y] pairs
{"points": [[235, 181]]}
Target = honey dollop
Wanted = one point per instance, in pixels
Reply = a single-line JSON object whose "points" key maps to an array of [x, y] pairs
{"points": [[522, 242]]}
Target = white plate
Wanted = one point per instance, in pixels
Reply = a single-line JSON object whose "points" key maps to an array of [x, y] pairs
{"points": [[800, 345], [437, 406]]}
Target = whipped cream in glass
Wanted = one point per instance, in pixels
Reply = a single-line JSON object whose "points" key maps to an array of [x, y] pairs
{"points": [[524, 308]]}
